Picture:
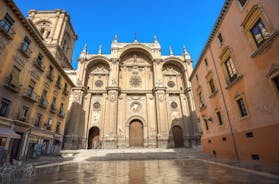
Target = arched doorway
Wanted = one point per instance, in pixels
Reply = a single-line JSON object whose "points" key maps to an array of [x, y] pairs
{"points": [[178, 136], [94, 138], [136, 134]]}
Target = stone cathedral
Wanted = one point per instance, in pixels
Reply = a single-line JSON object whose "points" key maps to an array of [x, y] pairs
{"points": [[132, 97]]}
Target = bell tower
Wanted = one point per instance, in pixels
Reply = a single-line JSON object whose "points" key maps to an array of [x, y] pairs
{"points": [[57, 32]]}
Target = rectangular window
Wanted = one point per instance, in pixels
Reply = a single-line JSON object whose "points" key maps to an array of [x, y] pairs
{"points": [[24, 113], [276, 82], [13, 79], [58, 82], [50, 73], [219, 117], [212, 85], [242, 107], [30, 88], [220, 39], [259, 32], [43, 100], [206, 124], [38, 120], [242, 2], [58, 127], [7, 23], [4, 107], [197, 77], [231, 70], [40, 59], [49, 123], [201, 100], [53, 105], [65, 87], [205, 61], [25, 45]]}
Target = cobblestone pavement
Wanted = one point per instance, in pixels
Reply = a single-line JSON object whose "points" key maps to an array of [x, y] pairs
{"points": [[141, 166]]}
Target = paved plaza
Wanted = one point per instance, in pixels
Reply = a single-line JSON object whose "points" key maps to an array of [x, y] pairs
{"points": [[140, 166]]}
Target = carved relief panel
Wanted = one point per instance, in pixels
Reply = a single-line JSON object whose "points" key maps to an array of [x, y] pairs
{"points": [[97, 78], [173, 77], [136, 72]]}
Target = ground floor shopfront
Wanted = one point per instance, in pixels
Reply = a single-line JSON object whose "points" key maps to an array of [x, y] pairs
{"points": [[24, 142]]}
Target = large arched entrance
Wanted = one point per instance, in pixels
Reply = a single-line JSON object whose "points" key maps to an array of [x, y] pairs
{"points": [[94, 138], [136, 134], [178, 136]]}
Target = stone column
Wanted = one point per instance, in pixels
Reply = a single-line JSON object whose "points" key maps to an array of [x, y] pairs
{"points": [[161, 112], [109, 140]]}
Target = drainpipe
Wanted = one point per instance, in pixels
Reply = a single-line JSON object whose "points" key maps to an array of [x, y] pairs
{"points": [[225, 104]]}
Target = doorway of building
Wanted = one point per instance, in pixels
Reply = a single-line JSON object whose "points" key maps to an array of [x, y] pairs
{"points": [[136, 134], [178, 136], [94, 138]]}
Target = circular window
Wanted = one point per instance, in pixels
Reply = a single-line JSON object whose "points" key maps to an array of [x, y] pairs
{"points": [[171, 84], [173, 105], [135, 81], [96, 105], [99, 83]]}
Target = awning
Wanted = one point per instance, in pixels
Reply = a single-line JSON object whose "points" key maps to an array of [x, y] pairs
{"points": [[8, 132]]}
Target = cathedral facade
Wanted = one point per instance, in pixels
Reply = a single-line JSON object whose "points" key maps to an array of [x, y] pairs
{"points": [[132, 97]]}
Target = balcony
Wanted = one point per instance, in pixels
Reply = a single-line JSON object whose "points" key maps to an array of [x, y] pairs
{"points": [[7, 30], [11, 85], [53, 108], [61, 113], [43, 103], [39, 65], [30, 95], [25, 50]]}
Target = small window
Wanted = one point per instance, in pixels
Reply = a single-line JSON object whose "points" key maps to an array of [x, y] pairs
{"points": [[220, 39], [242, 2], [224, 139], [58, 82], [231, 70], [197, 77], [249, 134], [201, 99], [275, 81], [212, 85], [205, 61], [38, 119], [255, 157], [49, 123], [31, 88], [242, 107], [259, 32], [25, 45], [24, 113], [13, 79], [206, 124], [209, 141], [219, 117], [5, 104], [58, 127], [40, 59], [7, 23]]}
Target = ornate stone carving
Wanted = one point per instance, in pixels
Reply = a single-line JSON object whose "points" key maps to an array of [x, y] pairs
{"points": [[171, 84], [173, 105], [135, 107], [135, 81], [97, 105], [99, 83], [19, 59]]}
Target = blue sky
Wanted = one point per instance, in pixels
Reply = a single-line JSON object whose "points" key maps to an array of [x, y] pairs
{"points": [[175, 22]]}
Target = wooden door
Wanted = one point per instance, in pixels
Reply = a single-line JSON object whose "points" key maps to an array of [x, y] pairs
{"points": [[178, 136], [136, 134]]}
